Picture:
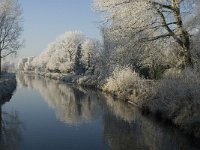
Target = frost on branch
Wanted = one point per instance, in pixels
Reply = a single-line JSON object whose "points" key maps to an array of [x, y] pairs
{"points": [[61, 56]]}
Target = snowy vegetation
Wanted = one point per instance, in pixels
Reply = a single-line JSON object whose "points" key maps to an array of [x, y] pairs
{"points": [[158, 40], [72, 52], [177, 97], [124, 82]]}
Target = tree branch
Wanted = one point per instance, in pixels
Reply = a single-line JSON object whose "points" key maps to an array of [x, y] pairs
{"points": [[11, 52]]}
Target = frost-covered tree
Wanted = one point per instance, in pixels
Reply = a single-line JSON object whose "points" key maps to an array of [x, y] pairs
{"points": [[88, 48], [90, 53], [68, 43], [28, 65], [104, 60], [10, 28], [64, 51], [21, 64], [62, 55], [78, 65], [42, 60], [156, 58], [152, 20], [59, 56]]}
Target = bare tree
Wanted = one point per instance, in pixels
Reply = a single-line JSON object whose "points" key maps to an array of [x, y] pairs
{"points": [[10, 28]]}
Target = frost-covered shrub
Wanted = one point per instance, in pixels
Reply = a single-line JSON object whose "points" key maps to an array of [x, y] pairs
{"points": [[66, 67], [52, 65], [90, 51], [178, 98], [25, 64], [7, 66], [123, 81], [28, 65], [21, 64]]}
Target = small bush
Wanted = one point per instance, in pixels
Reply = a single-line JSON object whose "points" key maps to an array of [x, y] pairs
{"points": [[122, 82], [66, 67], [177, 96]]}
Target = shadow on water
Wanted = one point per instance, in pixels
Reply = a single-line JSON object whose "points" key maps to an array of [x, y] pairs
{"points": [[10, 125], [124, 127]]}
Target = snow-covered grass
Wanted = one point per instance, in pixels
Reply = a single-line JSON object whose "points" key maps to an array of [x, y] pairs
{"points": [[124, 82], [177, 97], [90, 81], [7, 86]]}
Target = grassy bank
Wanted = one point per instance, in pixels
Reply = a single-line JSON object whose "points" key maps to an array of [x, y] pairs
{"points": [[7, 86], [175, 97], [89, 81]]}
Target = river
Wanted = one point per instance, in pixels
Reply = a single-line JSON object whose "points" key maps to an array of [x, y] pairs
{"points": [[45, 114]]}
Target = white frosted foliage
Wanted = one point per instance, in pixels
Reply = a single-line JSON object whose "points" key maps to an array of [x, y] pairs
{"points": [[59, 56]]}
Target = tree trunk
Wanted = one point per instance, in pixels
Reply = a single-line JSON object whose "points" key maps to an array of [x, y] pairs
{"points": [[0, 63], [70, 56], [183, 35], [188, 55], [0, 124]]}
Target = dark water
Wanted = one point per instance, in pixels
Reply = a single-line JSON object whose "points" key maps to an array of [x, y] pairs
{"points": [[47, 115]]}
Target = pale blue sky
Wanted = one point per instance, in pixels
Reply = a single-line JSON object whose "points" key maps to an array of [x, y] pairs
{"points": [[44, 20]]}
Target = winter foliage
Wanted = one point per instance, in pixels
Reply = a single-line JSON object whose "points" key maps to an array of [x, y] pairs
{"points": [[66, 54], [134, 28], [122, 81], [177, 97]]}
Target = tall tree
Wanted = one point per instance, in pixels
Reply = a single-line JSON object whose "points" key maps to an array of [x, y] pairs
{"points": [[10, 28], [78, 66], [156, 19]]}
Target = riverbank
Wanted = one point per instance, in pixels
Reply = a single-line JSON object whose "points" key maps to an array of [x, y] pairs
{"points": [[177, 98], [89, 81], [174, 98], [7, 86]]}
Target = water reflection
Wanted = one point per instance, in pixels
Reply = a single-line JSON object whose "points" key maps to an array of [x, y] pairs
{"points": [[72, 105], [124, 128], [10, 129], [10, 126]]}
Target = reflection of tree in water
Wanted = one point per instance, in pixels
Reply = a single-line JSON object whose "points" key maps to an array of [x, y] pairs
{"points": [[10, 125], [124, 127], [10, 131], [123, 131], [72, 105]]}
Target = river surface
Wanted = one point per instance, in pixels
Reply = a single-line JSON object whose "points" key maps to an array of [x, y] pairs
{"points": [[49, 115]]}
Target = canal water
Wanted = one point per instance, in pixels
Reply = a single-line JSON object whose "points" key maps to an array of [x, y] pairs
{"points": [[45, 114]]}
